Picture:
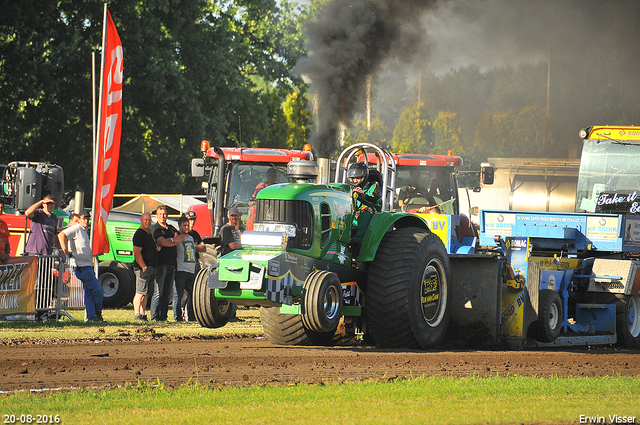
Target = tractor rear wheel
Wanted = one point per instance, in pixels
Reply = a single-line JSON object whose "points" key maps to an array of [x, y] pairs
{"points": [[288, 329], [118, 284], [628, 321], [210, 312], [409, 291], [321, 301], [550, 316]]}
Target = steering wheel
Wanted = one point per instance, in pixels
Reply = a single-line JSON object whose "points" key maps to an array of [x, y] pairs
{"points": [[415, 204]]}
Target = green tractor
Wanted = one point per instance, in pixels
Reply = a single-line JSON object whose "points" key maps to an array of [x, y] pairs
{"points": [[297, 264]]}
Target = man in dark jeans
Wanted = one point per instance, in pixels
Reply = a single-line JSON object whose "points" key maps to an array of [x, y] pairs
{"points": [[166, 237]]}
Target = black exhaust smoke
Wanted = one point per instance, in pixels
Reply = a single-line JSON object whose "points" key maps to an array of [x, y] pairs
{"points": [[348, 42]]}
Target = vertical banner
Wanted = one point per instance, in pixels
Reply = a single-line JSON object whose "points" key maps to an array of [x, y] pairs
{"points": [[110, 125]]}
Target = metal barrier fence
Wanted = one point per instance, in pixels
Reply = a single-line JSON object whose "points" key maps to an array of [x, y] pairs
{"points": [[57, 289]]}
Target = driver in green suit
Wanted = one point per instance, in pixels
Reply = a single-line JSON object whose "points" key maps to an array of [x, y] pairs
{"points": [[367, 200]]}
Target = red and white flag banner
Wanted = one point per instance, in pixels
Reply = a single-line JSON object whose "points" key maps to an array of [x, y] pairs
{"points": [[108, 136]]}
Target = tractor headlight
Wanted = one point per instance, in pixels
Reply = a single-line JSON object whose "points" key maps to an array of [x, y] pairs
{"points": [[265, 240], [289, 229]]}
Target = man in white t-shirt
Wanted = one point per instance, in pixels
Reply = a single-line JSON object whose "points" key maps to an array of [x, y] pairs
{"points": [[185, 269], [79, 242]]}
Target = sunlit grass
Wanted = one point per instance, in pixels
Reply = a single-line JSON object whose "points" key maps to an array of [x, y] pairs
{"points": [[119, 321], [425, 400]]}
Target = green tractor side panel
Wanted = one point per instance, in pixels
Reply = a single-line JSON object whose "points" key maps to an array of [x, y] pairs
{"points": [[120, 234], [380, 224]]}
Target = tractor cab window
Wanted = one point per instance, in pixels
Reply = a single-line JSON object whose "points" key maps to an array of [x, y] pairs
{"points": [[424, 186], [244, 178], [609, 172]]}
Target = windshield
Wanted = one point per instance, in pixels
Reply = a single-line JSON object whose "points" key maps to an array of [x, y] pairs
{"points": [[418, 184], [243, 179], [609, 176]]}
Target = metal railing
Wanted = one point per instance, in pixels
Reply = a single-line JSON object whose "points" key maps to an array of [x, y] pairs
{"points": [[57, 289]]}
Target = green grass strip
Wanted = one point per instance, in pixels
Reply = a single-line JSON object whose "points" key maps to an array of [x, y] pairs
{"points": [[425, 400]]}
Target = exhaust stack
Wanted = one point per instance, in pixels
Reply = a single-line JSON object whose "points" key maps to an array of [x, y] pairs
{"points": [[325, 170]]}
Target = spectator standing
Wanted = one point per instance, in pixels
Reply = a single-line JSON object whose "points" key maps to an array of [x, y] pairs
{"points": [[187, 304], [185, 268], [44, 225], [166, 238], [5, 248], [146, 256], [230, 233], [78, 240]]}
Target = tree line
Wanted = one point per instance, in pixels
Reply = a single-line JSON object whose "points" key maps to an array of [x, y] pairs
{"points": [[225, 71]]}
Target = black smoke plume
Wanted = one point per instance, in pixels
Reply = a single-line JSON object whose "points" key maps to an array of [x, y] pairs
{"points": [[348, 42]]}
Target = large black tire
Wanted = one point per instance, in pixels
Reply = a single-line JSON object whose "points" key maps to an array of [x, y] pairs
{"points": [[210, 312], [288, 329], [550, 315], [117, 282], [321, 301], [628, 321], [409, 291]]}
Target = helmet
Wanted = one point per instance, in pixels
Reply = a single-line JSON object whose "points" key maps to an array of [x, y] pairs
{"points": [[358, 170]]}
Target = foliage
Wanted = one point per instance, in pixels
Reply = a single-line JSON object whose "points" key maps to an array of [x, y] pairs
{"points": [[298, 119], [447, 134], [414, 133], [194, 69], [379, 133]]}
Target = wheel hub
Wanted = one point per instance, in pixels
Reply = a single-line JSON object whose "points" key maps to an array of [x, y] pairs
{"points": [[109, 283], [433, 294], [553, 316], [634, 320], [331, 303]]}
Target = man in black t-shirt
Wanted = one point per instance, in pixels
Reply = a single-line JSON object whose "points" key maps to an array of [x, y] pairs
{"points": [[166, 237], [230, 232], [146, 256]]}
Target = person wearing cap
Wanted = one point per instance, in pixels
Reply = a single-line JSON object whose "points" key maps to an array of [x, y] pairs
{"points": [[230, 232], [77, 240], [187, 300], [44, 225], [5, 248]]}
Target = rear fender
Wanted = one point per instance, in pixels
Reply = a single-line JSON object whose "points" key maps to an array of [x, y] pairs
{"points": [[380, 224]]}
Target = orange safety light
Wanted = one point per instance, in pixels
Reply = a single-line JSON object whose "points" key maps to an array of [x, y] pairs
{"points": [[307, 147], [450, 152], [204, 145]]}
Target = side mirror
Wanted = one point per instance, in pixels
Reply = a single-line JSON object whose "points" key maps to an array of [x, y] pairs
{"points": [[197, 167], [487, 175]]}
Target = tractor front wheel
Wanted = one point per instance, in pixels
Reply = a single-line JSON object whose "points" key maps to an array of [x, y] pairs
{"points": [[409, 291], [118, 284], [288, 329], [210, 312], [321, 301], [550, 316], [628, 320]]}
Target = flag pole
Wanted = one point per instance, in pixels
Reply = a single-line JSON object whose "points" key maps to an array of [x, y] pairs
{"points": [[96, 142]]}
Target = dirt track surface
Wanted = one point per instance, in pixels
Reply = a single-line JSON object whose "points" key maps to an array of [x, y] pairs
{"points": [[253, 360]]}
